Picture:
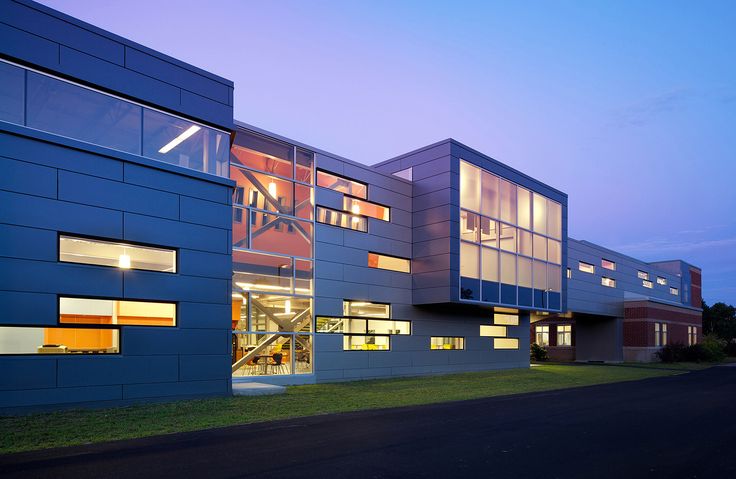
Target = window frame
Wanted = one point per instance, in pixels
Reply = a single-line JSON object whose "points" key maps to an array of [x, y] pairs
{"points": [[583, 263], [608, 282], [111, 298], [317, 171], [612, 264], [461, 338], [97, 327], [543, 332], [388, 256], [317, 209], [562, 331], [347, 335]]}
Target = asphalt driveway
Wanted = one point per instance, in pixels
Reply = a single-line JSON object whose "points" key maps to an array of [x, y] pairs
{"points": [[675, 427]]}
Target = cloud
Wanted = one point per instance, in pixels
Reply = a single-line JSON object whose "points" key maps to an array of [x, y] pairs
{"points": [[647, 110]]}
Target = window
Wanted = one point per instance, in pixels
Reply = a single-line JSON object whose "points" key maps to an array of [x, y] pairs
{"points": [[662, 281], [506, 319], [608, 282], [442, 342], [362, 326], [642, 275], [341, 219], [263, 154], [524, 272], [488, 232], [647, 284], [540, 214], [660, 334], [674, 291], [524, 206], [525, 243], [564, 335], [490, 265], [492, 331], [470, 186], [469, 226], [508, 238], [586, 267], [507, 196], [692, 335], [664, 334], [58, 340], [116, 312], [366, 309], [342, 185], [469, 260], [262, 272], [505, 343], [540, 247], [355, 342], [569, 273], [280, 234], [508, 268], [554, 249], [391, 263], [541, 335], [270, 312], [554, 219], [73, 249], [365, 208], [606, 264], [12, 93]]}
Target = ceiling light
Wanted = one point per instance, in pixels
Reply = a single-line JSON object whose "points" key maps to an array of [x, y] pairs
{"points": [[173, 143], [272, 189], [124, 261]]}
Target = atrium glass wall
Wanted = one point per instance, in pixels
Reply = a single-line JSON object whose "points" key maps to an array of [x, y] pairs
{"points": [[511, 242], [64, 108], [273, 231]]}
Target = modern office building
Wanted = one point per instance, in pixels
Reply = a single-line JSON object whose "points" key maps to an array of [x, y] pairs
{"points": [[152, 247]]}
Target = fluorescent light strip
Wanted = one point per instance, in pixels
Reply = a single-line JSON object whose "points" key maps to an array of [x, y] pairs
{"points": [[173, 143]]}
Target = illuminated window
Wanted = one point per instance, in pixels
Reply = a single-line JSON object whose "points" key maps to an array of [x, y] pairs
{"points": [[554, 251], [490, 265], [280, 234], [674, 291], [508, 238], [647, 284], [525, 272], [508, 268], [58, 340], [74, 249], [569, 273], [554, 219], [362, 317], [642, 275], [660, 334], [492, 331], [524, 205], [270, 312], [525, 243], [391, 263], [116, 312], [554, 278], [505, 343], [488, 232], [490, 194], [262, 272], [469, 226], [540, 214], [586, 267], [365, 208], [564, 335], [692, 335], [343, 185], [662, 281], [469, 186], [341, 219], [355, 342], [506, 319], [606, 264], [264, 154], [540, 247], [507, 195], [609, 282], [469, 260], [240, 227], [444, 342], [541, 336], [366, 309]]}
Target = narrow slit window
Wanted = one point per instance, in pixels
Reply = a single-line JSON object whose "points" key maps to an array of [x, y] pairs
{"points": [[116, 312], [662, 281], [505, 343], [343, 185], [606, 264], [446, 343], [58, 340], [492, 331], [360, 342], [586, 267], [341, 219], [392, 263], [608, 282], [366, 208], [73, 249]]}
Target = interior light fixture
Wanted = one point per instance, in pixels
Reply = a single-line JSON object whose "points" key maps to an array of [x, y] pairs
{"points": [[124, 261], [183, 136], [355, 209], [287, 306], [272, 189]]}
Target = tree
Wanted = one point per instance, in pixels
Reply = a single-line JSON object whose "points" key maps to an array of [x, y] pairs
{"points": [[720, 319]]}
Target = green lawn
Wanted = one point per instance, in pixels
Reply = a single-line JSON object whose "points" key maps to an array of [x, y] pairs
{"points": [[40, 431]]}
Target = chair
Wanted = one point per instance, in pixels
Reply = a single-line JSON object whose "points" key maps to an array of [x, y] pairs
{"points": [[278, 363]]}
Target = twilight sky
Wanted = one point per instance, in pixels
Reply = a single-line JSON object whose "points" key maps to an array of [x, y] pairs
{"points": [[627, 106]]}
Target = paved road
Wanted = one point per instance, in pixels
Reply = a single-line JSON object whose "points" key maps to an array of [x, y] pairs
{"points": [[673, 427]]}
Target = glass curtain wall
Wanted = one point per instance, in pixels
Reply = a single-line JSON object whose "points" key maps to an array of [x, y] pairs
{"points": [[273, 230], [511, 242]]}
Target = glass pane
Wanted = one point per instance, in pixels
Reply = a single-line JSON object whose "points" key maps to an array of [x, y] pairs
{"points": [[181, 142], [505, 319], [438, 342], [554, 219], [540, 214], [488, 232], [304, 165], [118, 255], [55, 340], [554, 251], [280, 313], [341, 219], [12, 91], [261, 272], [508, 237], [239, 316], [75, 112], [367, 343], [490, 265], [540, 247], [489, 201], [508, 201], [554, 278], [303, 355], [469, 260], [505, 343], [365, 208], [262, 154], [303, 276], [262, 354], [379, 326], [468, 226], [540, 275], [508, 268], [303, 202], [240, 227], [492, 331], [343, 185], [524, 204], [366, 309], [392, 263], [469, 186], [525, 243], [262, 191], [280, 234], [111, 312], [525, 272]]}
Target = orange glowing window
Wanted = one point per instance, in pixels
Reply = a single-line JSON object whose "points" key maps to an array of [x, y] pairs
{"points": [[116, 313], [392, 263], [343, 185], [365, 208]]}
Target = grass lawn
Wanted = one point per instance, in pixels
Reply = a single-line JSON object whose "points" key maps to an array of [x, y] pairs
{"points": [[40, 431]]}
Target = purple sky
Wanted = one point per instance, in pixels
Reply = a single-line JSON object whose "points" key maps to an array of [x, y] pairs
{"points": [[628, 106]]}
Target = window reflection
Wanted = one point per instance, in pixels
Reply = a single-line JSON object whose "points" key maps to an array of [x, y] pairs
{"points": [[343, 185], [240, 227], [262, 191], [280, 234], [12, 93], [263, 154], [262, 272], [341, 219]]}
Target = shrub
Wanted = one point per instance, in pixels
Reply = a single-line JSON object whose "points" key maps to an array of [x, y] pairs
{"points": [[671, 353], [714, 348], [538, 353]]}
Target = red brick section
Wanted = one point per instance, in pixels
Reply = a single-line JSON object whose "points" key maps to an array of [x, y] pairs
{"points": [[638, 334], [696, 287], [640, 316]]}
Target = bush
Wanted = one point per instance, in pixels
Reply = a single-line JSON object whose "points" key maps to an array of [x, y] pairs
{"points": [[538, 353], [672, 353], [714, 348], [711, 350]]}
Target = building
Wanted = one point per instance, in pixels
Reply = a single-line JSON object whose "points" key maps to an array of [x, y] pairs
{"points": [[151, 247]]}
